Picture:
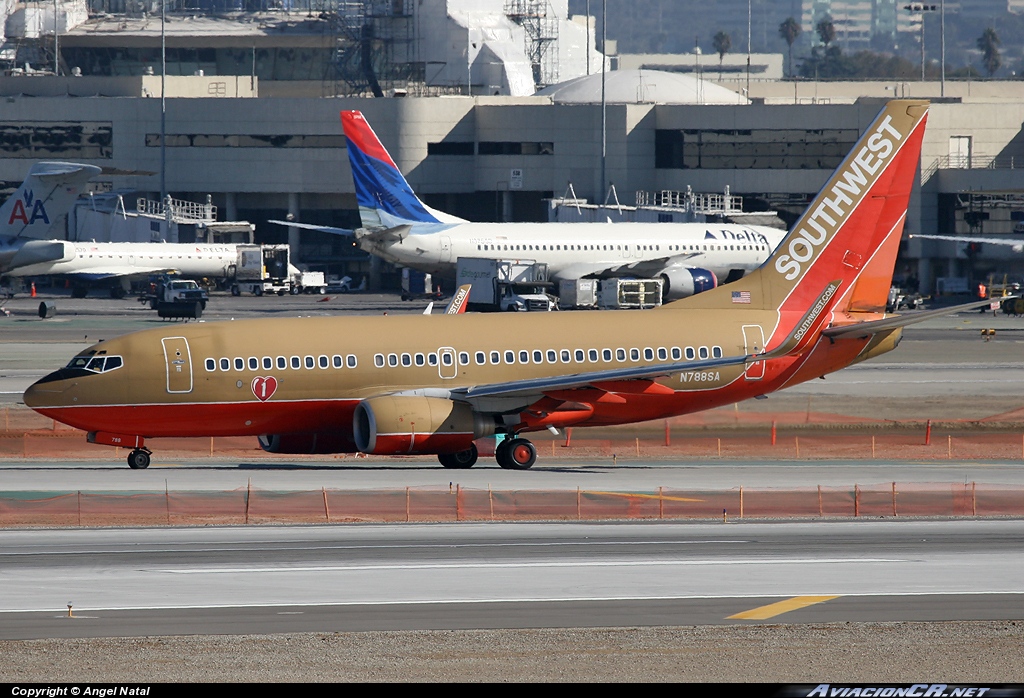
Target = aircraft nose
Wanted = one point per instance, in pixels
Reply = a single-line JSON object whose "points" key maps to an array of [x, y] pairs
{"points": [[47, 391]]}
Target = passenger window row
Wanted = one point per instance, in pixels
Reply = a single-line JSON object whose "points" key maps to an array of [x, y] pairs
{"points": [[550, 356], [268, 363]]}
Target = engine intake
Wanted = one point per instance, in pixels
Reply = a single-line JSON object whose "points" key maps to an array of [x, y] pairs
{"points": [[681, 282], [397, 425]]}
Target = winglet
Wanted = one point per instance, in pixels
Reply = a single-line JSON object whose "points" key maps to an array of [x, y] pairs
{"points": [[459, 301]]}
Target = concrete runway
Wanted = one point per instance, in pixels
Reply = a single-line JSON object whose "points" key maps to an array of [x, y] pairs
{"points": [[346, 578], [360, 474]]}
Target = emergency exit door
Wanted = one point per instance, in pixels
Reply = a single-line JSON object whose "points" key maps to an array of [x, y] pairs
{"points": [[753, 343], [179, 364]]}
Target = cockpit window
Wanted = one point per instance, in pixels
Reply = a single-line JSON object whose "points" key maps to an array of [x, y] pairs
{"points": [[96, 364]]}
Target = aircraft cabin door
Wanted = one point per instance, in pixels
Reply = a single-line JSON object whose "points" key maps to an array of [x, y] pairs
{"points": [[753, 343], [179, 364], [447, 365], [446, 248]]}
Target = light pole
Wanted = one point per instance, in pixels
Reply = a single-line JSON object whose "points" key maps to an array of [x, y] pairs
{"points": [[921, 8], [56, 42], [163, 102]]}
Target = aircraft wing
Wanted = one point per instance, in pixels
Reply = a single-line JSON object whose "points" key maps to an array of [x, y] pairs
{"points": [[394, 234], [310, 226], [646, 268], [510, 395], [530, 388], [873, 327], [105, 273], [1017, 242]]}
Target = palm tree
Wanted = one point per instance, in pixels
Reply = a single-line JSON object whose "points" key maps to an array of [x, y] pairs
{"points": [[826, 30], [790, 30], [988, 43], [722, 44]]}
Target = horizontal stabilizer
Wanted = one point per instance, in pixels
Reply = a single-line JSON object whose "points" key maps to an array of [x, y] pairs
{"points": [[1016, 242], [873, 327]]}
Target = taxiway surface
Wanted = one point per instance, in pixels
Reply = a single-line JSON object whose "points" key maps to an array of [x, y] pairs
{"points": [[348, 578]]}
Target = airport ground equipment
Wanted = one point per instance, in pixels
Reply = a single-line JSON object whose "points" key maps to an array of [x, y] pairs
{"points": [[505, 284], [629, 293], [263, 269]]}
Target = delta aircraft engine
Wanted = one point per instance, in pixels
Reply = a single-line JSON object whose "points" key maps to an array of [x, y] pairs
{"points": [[681, 282]]}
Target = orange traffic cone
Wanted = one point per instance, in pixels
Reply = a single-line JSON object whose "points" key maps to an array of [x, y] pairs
{"points": [[33, 289]]}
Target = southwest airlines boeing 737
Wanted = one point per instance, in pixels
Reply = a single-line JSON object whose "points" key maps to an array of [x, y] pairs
{"points": [[432, 385], [397, 226]]}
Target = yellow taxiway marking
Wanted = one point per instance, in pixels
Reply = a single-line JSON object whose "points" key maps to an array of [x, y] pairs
{"points": [[780, 607]]}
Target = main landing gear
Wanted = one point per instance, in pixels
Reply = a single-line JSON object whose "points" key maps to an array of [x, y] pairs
{"points": [[516, 454], [460, 460], [511, 454], [139, 459]]}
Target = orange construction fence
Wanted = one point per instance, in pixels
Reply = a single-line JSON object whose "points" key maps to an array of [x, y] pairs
{"points": [[253, 506], [26, 434]]}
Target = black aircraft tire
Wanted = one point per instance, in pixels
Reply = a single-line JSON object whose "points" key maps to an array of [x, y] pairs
{"points": [[517, 454], [461, 460], [138, 460]]}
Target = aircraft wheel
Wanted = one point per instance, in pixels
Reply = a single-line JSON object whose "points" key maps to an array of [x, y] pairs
{"points": [[517, 454], [461, 460], [79, 291], [138, 459]]}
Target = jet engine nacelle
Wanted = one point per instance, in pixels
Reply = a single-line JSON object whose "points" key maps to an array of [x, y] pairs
{"points": [[329, 442], [681, 282], [25, 253], [400, 424]]}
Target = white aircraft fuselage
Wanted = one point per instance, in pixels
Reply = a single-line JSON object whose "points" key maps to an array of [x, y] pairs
{"points": [[114, 259], [574, 250]]}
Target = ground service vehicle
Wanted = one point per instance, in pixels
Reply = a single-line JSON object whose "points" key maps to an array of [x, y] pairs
{"points": [[504, 284], [262, 269]]}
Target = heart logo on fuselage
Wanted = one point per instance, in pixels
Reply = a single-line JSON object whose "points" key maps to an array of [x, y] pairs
{"points": [[264, 387]]}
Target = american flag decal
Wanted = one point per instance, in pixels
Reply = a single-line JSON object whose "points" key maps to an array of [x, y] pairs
{"points": [[741, 296]]}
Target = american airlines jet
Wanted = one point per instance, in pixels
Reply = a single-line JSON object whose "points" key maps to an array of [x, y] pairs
{"points": [[26, 217], [397, 226], [48, 192]]}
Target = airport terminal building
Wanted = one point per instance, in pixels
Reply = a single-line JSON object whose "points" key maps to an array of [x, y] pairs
{"points": [[268, 149]]}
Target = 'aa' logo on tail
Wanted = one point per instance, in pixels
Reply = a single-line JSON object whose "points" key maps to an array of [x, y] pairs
{"points": [[20, 212]]}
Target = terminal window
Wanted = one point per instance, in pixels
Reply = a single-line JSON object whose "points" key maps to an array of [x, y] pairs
{"points": [[450, 148], [222, 140], [769, 149], [516, 148], [40, 140]]}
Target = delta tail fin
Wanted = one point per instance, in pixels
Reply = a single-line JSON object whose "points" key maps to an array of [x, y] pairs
{"points": [[47, 194], [384, 196]]}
